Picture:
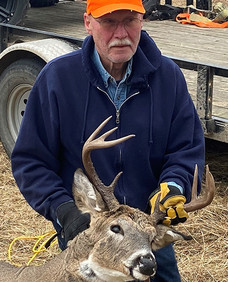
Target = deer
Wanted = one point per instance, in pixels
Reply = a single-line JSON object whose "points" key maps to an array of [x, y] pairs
{"points": [[119, 244]]}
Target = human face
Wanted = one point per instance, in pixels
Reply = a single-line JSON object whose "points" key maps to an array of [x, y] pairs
{"points": [[117, 44]]}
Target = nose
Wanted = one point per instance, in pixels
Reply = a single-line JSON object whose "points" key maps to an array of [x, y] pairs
{"points": [[121, 30], [147, 265]]}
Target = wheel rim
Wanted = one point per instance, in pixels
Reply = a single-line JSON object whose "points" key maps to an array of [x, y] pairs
{"points": [[16, 108]]}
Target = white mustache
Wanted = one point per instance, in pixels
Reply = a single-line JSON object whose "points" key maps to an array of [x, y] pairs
{"points": [[119, 42]]}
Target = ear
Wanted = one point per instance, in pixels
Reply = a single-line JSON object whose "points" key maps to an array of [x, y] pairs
{"points": [[87, 23], [84, 194], [165, 236]]}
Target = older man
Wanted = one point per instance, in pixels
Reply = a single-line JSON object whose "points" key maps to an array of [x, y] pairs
{"points": [[119, 71]]}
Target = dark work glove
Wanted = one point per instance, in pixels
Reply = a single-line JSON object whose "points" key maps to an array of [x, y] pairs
{"points": [[171, 202], [72, 220]]}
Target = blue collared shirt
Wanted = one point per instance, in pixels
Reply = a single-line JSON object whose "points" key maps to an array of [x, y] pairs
{"points": [[117, 90]]}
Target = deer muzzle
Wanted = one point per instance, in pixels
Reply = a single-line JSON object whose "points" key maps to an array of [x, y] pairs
{"points": [[145, 265]]}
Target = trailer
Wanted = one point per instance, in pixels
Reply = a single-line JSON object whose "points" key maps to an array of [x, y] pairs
{"points": [[55, 30]]}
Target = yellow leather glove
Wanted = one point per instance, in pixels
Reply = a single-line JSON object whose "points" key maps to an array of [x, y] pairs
{"points": [[171, 202]]}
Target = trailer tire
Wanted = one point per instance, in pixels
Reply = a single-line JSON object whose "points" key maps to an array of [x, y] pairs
{"points": [[16, 9], [15, 84], [43, 3]]}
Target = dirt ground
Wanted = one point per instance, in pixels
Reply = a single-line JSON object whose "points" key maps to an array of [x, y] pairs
{"points": [[205, 258]]}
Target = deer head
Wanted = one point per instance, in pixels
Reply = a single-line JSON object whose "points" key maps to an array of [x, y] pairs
{"points": [[121, 239]]}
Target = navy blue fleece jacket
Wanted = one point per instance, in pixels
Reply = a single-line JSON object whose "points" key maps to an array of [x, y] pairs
{"points": [[66, 104]]}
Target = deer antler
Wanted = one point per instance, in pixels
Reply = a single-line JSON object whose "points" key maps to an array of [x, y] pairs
{"points": [[99, 143], [206, 199]]}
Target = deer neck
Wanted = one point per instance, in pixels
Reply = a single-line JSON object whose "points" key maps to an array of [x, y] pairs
{"points": [[77, 254]]}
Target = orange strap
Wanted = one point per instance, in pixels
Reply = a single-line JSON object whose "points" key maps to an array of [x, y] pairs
{"points": [[184, 19]]}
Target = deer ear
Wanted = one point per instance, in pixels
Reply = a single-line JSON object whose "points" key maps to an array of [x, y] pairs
{"points": [[165, 236], [84, 194]]}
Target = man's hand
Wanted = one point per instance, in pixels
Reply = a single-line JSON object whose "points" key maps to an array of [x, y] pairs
{"points": [[171, 201], [72, 220]]}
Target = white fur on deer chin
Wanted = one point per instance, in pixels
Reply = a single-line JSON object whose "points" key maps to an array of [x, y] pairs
{"points": [[86, 271], [94, 272]]}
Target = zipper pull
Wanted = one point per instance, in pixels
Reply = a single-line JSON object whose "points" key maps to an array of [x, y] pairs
{"points": [[117, 116]]}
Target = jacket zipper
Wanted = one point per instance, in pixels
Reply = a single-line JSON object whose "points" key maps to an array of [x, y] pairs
{"points": [[117, 116], [117, 122], [117, 110]]}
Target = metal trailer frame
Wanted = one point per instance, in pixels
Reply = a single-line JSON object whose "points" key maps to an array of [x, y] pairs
{"points": [[214, 127]]}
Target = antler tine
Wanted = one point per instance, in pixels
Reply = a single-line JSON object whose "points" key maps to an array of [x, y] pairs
{"points": [[195, 183], [206, 199], [99, 143]]}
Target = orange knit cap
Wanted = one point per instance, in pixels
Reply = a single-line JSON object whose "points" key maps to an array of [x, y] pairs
{"points": [[98, 8]]}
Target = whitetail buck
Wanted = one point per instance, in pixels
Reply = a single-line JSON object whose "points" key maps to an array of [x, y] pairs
{"points": [[119, 244]]}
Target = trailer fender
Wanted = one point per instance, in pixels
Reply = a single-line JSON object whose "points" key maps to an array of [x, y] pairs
{"points": [[44, 49], [20, 64]]}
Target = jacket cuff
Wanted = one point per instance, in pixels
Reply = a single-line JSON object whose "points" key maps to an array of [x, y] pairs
{"points": [[176, 185]]}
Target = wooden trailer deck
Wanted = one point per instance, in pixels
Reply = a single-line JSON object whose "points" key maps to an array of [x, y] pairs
{"points": [[208, 46]]}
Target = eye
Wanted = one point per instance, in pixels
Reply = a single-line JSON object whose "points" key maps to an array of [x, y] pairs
{"points": [[117, 229], [108, 22], [129, 20]]}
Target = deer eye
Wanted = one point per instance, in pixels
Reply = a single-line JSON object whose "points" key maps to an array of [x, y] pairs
{"points": [[117, 229]]}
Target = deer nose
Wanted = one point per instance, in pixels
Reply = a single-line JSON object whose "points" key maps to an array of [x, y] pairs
{"points": [[147, 265]]}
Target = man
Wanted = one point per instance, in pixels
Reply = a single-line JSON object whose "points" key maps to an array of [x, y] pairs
{"points": [[120, 72]]}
